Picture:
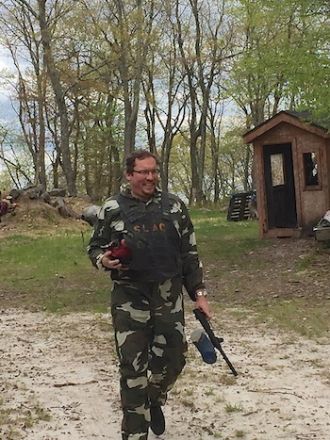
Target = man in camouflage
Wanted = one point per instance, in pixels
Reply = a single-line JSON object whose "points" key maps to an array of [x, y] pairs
{"points": [[155, 233]]}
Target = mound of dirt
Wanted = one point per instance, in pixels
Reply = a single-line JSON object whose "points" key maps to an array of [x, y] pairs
{"points": [[37, 215]]}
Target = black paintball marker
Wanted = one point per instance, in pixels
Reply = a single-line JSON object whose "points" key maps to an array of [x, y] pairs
{"points": [[216, 342]]}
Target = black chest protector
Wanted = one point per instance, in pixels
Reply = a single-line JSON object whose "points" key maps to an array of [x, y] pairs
{"points": [[152, 238]]}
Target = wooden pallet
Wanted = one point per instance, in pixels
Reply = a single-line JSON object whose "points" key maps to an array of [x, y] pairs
{"points": [[239, 206]]}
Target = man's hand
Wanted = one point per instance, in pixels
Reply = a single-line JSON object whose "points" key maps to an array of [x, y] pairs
{"points": [[107, 261], [203, 305]]}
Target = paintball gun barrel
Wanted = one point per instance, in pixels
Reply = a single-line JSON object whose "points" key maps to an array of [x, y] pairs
{"points": [[214, 339]]}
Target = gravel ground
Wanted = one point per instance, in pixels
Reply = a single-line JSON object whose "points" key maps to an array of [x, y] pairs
{"points": [[59, 381]]}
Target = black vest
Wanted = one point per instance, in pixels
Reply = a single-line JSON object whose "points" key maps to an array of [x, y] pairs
{"points": [[153, 239]]}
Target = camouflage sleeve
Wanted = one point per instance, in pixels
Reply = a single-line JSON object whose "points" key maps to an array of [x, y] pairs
{"points": [[192, 266], [108, 224]]}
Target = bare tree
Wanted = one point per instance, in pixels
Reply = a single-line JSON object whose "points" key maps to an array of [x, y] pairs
{"points": [[59, 93], [21, 29], [131, 24], [11, 161], [165, 103], [203, 50]]}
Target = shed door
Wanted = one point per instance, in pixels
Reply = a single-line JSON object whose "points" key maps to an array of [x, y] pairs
{"points": [[279, 183]]}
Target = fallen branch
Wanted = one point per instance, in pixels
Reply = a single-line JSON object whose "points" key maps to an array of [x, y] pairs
{"points": [[250, 413], [73, 384], [66, 407], [24, 340], [276, 392]]}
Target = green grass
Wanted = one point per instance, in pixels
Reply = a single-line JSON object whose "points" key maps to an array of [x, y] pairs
{"points": [[296, 314], [52, 273], [224, 240], [42, 257], [10, 418], [229, 408]]}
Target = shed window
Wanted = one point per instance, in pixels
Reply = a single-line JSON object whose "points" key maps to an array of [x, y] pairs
{"points": [[310, 169], [276, 163]]}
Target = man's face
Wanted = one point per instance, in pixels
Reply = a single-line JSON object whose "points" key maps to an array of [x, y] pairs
{"points": [[144, 178]]}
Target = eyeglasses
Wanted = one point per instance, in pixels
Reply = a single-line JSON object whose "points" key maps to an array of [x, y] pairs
{"points": [[146, 173]]}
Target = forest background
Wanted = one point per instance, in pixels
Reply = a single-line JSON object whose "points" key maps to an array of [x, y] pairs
{"points": [[93, 80]]}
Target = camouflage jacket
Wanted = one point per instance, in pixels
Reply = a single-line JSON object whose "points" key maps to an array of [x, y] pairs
{"points": [[111, 222]]}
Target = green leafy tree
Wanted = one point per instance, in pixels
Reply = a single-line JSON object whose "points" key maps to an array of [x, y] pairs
{"points": [[284, 51]]}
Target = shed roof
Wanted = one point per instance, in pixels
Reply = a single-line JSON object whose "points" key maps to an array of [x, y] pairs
{"points": [[298, 119]]}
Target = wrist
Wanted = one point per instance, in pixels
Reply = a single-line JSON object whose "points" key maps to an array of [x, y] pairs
{"points": [[201, 293]]}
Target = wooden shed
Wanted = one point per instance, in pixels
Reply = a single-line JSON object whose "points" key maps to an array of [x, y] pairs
{"points": [[292, 174]]}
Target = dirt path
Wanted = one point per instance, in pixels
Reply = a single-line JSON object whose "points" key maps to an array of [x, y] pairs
{"points": [[59, 381]]}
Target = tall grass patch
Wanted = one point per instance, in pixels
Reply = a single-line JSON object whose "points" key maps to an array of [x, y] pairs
{"points": [[297, 315], [220, 239], [51, 272]]}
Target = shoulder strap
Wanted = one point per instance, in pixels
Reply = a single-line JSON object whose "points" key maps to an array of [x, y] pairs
{"points": [[165, 203]]}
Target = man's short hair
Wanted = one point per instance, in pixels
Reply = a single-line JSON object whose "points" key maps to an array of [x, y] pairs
{"points": [[139, 155]]}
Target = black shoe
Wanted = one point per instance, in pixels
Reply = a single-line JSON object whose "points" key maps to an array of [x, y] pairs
{"points": [[157, 423]]}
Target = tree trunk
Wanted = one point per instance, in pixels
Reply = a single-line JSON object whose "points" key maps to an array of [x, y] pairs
{"points": [[59, 98]]}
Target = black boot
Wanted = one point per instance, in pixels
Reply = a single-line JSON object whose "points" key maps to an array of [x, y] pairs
{"points": [[157, 423]]}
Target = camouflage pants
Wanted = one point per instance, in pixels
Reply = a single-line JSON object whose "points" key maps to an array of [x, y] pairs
{"points": [[148, 319]]}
